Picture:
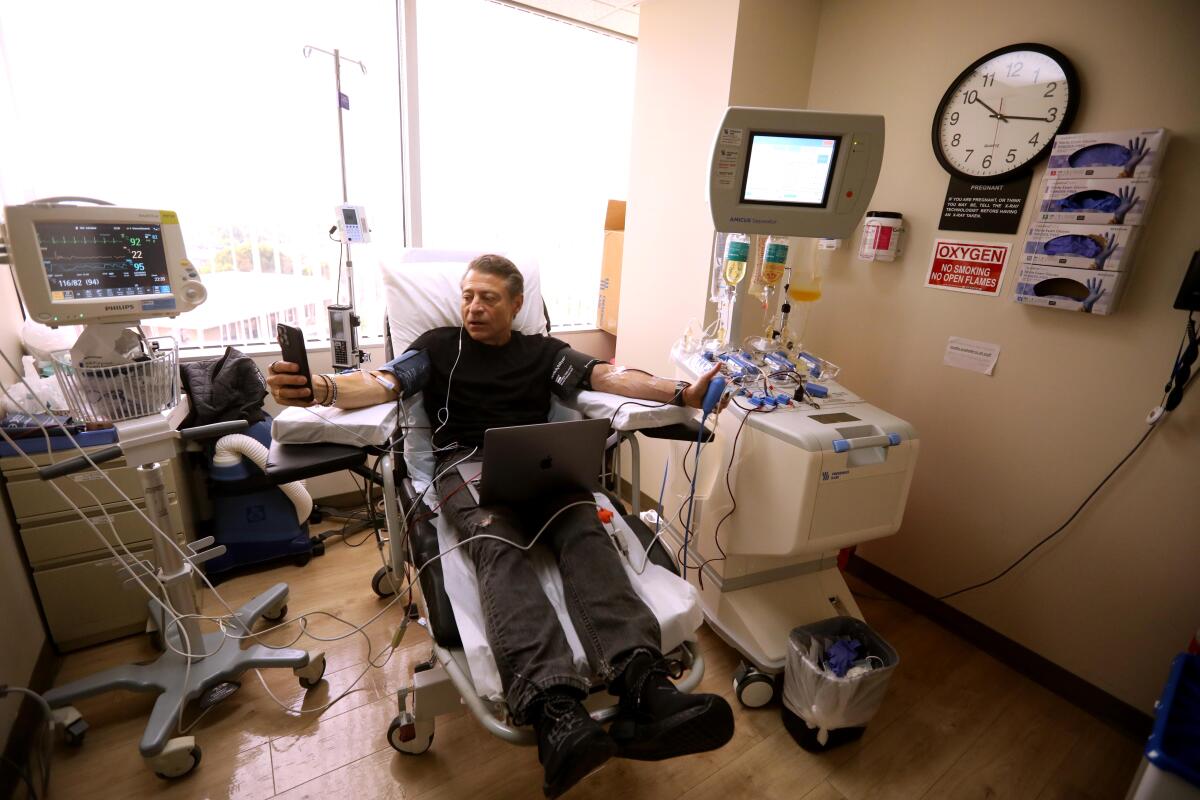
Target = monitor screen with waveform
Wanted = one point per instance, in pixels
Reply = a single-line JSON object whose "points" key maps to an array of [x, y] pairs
{"points": [[86, 261]]}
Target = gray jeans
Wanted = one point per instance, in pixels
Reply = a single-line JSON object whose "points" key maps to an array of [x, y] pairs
{"points": [[523, 630]]}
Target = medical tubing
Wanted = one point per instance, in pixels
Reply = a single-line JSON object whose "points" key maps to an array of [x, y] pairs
{"points": [[238, 445], [188, 653], [687, 526]]}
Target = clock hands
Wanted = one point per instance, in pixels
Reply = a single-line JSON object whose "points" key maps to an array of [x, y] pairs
{"points": [[995, 113], [1007, 117]]}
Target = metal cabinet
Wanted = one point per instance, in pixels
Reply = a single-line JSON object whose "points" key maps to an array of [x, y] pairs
{"points": [[85, 594]]}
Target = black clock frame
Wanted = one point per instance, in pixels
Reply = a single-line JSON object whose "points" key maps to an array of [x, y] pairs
{"points": [[1072, 79]]}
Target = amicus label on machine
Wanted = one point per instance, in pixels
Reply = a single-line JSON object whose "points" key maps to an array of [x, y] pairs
{"points": [[973, 267]]}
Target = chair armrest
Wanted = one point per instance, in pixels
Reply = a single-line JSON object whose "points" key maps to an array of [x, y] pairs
{"points": [[295, 462]]}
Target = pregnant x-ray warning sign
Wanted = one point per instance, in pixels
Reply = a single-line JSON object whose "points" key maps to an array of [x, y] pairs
{"points": [[975, 267]]}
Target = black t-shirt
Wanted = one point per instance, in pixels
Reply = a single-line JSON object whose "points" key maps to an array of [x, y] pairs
{"points": [[492, 386]]}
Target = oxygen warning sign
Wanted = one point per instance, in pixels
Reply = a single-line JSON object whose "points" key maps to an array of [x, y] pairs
{"points": [[975, 267]]}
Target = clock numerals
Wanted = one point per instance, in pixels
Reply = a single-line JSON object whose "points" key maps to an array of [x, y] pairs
{"points": [[1001, 108]]}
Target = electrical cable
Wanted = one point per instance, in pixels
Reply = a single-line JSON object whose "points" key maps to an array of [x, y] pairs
{"points": [[728, 488], [45, 739], [444, 414], [1175, 385], [176, 617]]}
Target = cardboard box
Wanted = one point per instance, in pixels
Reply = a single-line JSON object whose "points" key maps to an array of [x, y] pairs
{"points": [[1110, 201], [1108, 247], [610, 267], [1094, 291], [1115, 154]]}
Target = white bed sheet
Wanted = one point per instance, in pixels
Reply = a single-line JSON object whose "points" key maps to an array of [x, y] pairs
{"points": [[674, 601]]}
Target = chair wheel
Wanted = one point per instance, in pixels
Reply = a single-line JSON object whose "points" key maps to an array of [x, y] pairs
{"points": [[382, 583], [754, 689], [310, 675], [178, 758], [408, 736], [275, 615]]}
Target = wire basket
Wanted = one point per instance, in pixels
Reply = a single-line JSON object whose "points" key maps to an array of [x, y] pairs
{"points": [[127, 391]]}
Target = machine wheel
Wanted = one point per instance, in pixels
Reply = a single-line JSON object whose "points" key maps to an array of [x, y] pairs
{"points": [[754, 689], [276, 614], [382, 583], [404, 736], [178, 758], [311, 674]]}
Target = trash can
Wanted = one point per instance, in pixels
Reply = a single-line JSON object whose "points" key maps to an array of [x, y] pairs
{"points": [[1171, 768], [820, 709]]}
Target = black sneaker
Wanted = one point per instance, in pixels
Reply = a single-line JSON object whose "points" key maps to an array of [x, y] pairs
{"points": [[656, 721], [570, 743]]}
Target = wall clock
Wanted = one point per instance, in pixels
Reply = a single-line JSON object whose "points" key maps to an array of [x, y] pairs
{"points": [[999, 116]]}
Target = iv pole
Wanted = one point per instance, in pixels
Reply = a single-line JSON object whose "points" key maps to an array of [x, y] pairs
{"points": [[338, 58]]}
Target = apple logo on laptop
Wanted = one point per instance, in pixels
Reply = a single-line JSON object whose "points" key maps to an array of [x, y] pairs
{"points": [[546, 463]]}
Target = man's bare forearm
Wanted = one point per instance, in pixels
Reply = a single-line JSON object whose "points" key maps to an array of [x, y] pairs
{"points": [[633, 383], [356, 390]]}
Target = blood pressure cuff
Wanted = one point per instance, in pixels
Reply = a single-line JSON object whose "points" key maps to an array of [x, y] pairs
{"points": [[572, 372], [411, 368]]}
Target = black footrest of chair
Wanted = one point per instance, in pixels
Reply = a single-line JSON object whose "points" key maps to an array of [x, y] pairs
{"points": [[680, 432], [423, 546], [296, 462]]}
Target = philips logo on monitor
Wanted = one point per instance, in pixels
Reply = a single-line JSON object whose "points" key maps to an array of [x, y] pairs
{"points": [[120, 307]]}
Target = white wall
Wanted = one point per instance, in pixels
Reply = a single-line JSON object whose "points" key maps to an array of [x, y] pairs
{"points": [[1005, 459]]}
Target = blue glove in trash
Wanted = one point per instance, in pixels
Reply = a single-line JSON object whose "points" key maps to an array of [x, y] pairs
{"points": [[841, 655]]}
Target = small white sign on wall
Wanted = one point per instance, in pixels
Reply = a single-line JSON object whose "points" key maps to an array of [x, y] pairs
{"points": [[972, 355]]}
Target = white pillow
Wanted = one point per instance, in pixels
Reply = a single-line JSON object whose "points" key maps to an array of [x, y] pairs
{"points": [[422, 295]]}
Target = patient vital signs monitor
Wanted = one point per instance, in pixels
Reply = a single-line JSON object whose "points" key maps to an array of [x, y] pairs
{"points": [[88, 264], [793, 172]]}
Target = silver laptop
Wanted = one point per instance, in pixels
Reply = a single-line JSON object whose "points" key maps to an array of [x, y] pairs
{"points": [[525, 462]]}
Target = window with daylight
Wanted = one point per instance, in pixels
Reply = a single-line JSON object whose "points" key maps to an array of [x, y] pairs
{"points": [[521, 123], [212, 110], [524, 126]]}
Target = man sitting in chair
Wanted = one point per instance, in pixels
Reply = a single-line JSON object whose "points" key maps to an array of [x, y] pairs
{"points": [[496, 377]]}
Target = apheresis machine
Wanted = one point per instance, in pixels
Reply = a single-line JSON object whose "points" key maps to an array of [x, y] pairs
{"points": [[800, 466]]}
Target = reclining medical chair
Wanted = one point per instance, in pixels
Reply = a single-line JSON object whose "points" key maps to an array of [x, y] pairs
{"points": [[423, 293]]}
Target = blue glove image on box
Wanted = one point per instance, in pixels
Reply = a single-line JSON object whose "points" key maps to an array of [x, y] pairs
{"points": [[1089, 200], [1100, 155], [1073, 245]]}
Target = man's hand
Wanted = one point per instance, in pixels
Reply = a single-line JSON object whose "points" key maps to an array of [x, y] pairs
{"points": [[693, 396], [287, 386]]}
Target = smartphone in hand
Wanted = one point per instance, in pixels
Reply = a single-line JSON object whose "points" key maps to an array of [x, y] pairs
{"points": [[291, 345]]}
